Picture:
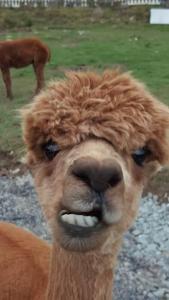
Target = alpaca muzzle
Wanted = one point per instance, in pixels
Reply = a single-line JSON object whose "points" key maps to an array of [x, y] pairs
{"points": [[98, 175]]}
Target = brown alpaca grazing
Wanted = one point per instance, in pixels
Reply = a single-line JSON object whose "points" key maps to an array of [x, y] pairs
{"points": [[21, 53], [92, 143]]}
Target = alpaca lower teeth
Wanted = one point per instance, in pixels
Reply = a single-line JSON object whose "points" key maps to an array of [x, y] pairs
{"points": [[80, 220]]}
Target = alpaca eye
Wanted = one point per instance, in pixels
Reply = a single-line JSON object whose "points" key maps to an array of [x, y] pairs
{"points": [[140, 155], [50, 149]]}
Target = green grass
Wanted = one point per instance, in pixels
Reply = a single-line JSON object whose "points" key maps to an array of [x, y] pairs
{"points": [[144, 49]]}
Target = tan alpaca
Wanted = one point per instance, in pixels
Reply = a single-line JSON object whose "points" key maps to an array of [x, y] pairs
{"points": [[92, 142], [24, 264]]}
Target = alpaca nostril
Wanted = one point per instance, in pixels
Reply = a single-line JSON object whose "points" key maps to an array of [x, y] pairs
{"points": [[116, 177], [83, 172], [98, 176], [82, 175]]}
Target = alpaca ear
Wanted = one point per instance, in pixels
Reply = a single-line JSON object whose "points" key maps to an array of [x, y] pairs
{"points": [[165, 146], [161, 133], [167, 142]]}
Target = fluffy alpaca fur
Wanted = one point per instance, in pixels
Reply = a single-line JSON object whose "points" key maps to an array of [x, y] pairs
{"points": [[84, 136], [24, 262], [113, 106], [21, 53]]}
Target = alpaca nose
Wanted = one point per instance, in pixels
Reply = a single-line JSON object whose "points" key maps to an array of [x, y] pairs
{"points": [[98, 175]]}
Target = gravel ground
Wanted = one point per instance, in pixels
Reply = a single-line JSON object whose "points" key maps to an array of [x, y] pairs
{"points": [[143, 271]]}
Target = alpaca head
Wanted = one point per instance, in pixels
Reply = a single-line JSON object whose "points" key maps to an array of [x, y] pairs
{"points": [[92, 143]]}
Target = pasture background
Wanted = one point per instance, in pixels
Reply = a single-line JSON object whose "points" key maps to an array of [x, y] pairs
{"points": [[82, 38]]}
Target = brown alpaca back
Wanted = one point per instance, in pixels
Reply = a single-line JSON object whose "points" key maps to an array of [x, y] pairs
{"points": [[24, 261], [23, 52]]}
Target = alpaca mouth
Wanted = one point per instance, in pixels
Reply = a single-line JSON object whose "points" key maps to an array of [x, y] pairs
{"points": [[81, 220]]}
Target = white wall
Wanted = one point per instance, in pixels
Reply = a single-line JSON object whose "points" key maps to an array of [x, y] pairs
{"points": [[159, 16]]}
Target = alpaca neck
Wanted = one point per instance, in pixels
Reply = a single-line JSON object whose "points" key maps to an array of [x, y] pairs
{"points": [[84, 276]]}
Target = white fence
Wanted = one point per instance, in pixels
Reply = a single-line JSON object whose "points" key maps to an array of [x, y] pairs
{"points": [[141, 2], [74, 3], [20, 3]]}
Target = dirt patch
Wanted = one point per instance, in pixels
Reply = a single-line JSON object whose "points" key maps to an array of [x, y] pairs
{"points": [[159, 185], [9, 165]]}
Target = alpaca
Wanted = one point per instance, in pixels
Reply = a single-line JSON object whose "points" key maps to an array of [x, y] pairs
{"points": [[25, 261], [93, 141], [21, 53]]}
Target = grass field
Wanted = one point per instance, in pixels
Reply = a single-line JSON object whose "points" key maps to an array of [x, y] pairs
{"points": [[141, 48]]}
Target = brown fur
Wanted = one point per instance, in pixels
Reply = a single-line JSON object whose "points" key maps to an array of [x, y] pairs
{"points": [[98, 121], [126, 114], [21, 53], [23, 257]]}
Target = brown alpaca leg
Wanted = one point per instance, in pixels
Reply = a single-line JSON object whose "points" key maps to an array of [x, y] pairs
{"points": [[39, 72], [7, 80]]}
